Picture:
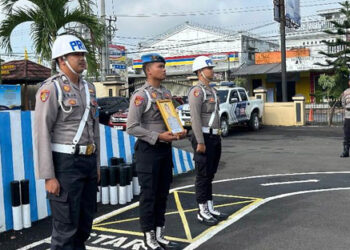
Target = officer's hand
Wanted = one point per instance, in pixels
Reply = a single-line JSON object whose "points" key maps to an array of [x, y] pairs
{"points": [[201, 148], [52, 186], [183, 134], [167, 136]]}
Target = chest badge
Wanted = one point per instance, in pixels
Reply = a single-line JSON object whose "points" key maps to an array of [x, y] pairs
{"points": [[211, 100], [72, 102], [66, 88], [154, 95], [167, 95]]}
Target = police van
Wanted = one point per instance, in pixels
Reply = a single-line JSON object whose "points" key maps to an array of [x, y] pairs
{"points": [[235, 108]]}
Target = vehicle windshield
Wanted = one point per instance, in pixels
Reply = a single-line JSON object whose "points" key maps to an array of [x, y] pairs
{"points": [[222, 94]]}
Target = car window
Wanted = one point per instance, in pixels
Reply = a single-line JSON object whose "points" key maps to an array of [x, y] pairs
{"points": [[243, 95], [234, 94], [222, 94]]}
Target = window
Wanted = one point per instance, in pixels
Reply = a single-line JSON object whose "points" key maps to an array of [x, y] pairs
{"points": [[243, 95], [110, 92], [234, 94]]}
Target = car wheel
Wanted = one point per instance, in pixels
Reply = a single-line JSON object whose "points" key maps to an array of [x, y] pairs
{"points": [[224, 126], [254, 122]]}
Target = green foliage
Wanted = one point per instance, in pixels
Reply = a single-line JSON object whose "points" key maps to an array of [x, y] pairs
{"points": [[241, 82], [340, 59], [49, 19]]}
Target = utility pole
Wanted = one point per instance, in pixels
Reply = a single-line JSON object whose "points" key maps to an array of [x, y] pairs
{"points": [[283, 50], [104, 64]]}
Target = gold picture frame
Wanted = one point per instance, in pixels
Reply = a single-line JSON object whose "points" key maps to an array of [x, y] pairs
{"points": [[170, 117]]}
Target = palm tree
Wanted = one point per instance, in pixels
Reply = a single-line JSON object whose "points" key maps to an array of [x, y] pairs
{"points": [[51, 18]]}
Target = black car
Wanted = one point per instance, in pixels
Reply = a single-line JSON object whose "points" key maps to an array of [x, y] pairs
{"points": [[110, 105]]}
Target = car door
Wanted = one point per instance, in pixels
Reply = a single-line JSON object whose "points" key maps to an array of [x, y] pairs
{"points": [[234, 100], [242, 105]]}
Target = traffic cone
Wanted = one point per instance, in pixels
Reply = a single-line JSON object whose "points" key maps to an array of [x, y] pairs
{"points": [[311, 115]]}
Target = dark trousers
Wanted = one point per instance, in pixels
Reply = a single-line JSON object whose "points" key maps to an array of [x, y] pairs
{"points": [[154, 170], [206, 166], [347, 131], [73, 210]]}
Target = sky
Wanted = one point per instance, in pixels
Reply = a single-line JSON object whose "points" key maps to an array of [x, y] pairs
{"points": [[139, 20]]}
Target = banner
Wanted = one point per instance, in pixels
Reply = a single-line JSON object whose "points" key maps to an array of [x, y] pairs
{"points": [[17, 161], [117, 53], [10, 97]]}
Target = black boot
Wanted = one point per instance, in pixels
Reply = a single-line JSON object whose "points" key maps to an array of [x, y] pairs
{"points": [[345, 150], [205, 217], [166, 244], [151, 242]]}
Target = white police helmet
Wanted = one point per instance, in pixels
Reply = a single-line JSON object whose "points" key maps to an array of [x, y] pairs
{"points": [[67, 44], [202, 62]]}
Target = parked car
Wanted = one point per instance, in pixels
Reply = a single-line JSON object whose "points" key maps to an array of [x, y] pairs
{"points": [[114, 111], [235, 108]]}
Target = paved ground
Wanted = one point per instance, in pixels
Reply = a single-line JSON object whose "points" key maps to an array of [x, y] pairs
{"points": [[284, 188]]}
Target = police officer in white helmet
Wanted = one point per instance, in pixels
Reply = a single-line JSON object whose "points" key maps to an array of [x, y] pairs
{"points": [[66, 134], [206, 141]]}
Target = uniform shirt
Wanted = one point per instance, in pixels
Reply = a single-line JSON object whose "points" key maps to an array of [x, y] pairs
{"points": [[146, 125], [201, 109], [53, 125], [346, 102]]}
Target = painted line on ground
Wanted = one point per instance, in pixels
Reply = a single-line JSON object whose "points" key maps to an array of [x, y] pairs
{"points": [[288, 182], [183, 216]]}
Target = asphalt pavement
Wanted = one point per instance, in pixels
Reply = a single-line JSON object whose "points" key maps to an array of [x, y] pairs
{"points": [[284, 188]]}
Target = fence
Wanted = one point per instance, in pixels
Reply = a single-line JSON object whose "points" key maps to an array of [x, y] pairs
{"points": [[17, 161], [318, 114]]}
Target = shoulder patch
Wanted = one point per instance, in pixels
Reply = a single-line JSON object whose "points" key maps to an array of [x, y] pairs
{"points": [[167, 95], [44, 95], [138, 100], [196, 92]]}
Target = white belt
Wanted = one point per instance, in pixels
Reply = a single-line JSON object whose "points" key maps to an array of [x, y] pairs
{"points": [[72, 149], [214, 131]]}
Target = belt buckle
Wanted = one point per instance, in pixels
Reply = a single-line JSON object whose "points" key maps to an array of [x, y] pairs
{"points": [[89, 149], [219, 131]]}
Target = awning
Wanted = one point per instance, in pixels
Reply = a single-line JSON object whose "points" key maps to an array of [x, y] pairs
{"points": [[258, 69]]}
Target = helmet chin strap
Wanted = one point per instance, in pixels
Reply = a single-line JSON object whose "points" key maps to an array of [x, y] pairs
{"points": [[206, 78], [70, 67]]}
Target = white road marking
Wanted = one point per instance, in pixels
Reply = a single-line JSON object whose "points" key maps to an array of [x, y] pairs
{"points": [[288, 182]]}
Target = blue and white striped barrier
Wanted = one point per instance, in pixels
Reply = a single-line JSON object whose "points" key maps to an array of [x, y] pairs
{"points": [[17, 161]]}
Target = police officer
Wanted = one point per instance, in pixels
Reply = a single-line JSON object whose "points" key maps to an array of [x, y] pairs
{"points": [[152, 151], [66, 131], [346, 105], [206, 141]]}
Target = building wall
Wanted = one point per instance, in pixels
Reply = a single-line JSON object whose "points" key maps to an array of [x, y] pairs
{"points": [[103, 90], [303, 85]]}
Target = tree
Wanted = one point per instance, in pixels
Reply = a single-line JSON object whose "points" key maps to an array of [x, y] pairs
{"points": [[338, 51], [49, 19]]}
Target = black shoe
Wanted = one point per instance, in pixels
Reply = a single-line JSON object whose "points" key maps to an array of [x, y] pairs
{"points": [[166, 244], [150, 241], [345, 152], [217, 215], [205, 217]]}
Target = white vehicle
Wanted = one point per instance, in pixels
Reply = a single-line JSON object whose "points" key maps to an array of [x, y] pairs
{"points": [[235, 108]]}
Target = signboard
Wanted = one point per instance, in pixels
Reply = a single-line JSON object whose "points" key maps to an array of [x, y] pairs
{"points": [[219, 57], [119, 66], [275, 57], [292, 12], [6, 69], [117, 53], [10, 97]]}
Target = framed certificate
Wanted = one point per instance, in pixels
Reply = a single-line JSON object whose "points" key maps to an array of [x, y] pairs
{"points": [[170, 117]]}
